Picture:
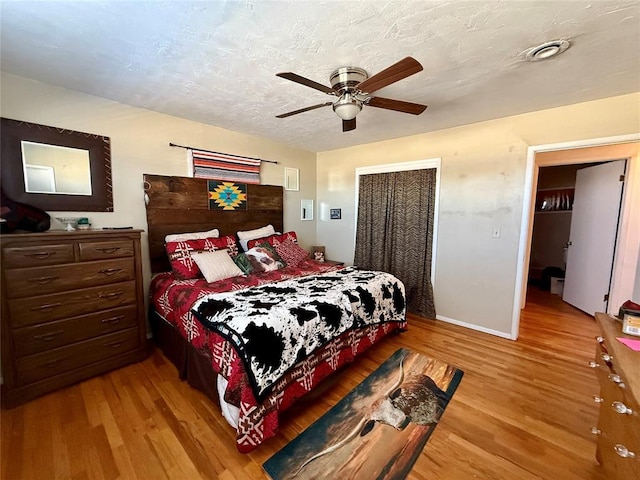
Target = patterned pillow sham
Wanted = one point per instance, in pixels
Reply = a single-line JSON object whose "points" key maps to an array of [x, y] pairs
{"points": [[179, 253], [273, 240], [291, 252], [264, 258]]}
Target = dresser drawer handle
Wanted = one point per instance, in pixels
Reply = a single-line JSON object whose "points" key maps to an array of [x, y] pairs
{"points": [[598, 399], [112, 319], [621, 408], [600, 339], [596, 431], [606, 357], [52, 363], [107, 249], [43, 280], [113, 344], [44, 307], [593, 364], [110, 271], [110, 295], [39, 255], [47, 337], [623, 451], [616, 379]]}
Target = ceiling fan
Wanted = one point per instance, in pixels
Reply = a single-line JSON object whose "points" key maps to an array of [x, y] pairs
{"points": [[354, 87]]}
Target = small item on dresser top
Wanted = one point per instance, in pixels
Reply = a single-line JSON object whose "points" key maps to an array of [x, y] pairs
{"points": [[632, 344], [117, 228], [629, 313]]}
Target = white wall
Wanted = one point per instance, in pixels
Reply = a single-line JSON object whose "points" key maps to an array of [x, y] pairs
{"points": [[482, 175], [140, 144]]}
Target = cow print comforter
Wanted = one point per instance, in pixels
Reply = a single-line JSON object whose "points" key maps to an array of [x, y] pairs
{"points": [[274, 326]]}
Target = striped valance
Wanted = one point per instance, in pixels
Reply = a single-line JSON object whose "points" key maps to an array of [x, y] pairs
{"points": [[222, 166]]}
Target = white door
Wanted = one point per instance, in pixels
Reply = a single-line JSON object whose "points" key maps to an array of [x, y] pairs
{"points": [[594, 224]]}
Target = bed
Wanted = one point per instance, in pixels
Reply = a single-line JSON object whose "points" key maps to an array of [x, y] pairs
{"points": [[257, 342]]}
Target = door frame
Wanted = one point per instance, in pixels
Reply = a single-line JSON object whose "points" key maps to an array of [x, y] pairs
{"points": [[628, 241]]}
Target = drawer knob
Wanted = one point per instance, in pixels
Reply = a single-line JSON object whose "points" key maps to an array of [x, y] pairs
{"points": [[600, 339], [596, 431], [623, 451], [606, 357], [598, 399], [621, 408], [616, 379], [593, 364]]}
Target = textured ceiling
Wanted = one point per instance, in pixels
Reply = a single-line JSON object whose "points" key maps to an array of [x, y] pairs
{"points": [[215, 62]]}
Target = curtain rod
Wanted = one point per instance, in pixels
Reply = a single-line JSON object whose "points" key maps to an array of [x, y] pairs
{"points": [[220, 153]]}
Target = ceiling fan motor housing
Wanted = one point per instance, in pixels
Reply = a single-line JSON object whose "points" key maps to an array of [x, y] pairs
{"points": [[345, 79]]}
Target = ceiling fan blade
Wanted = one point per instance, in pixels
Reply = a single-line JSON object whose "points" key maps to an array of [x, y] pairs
{"points": [[348, 125], [306, 82], [403, 69], [397, 105], [295, 112]]}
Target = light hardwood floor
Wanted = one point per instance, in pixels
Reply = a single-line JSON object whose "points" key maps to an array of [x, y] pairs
{"points": [[523, 411]]}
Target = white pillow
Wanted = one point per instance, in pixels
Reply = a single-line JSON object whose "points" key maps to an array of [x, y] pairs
{"points": [[216, 265], [181, 237], [257, 233]]}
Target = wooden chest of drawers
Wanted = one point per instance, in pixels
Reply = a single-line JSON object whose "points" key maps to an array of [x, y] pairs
{"points": [[72, 308], [618, 371]]}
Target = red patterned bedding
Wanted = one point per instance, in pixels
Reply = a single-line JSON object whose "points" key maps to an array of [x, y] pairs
{"points": [[172, 300]]}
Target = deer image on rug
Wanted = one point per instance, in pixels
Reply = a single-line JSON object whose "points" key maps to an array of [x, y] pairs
{"points": [[379, 429]]}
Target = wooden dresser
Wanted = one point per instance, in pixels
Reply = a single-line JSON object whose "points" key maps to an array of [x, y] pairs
{"points": [[618, 371], [72, 308]]}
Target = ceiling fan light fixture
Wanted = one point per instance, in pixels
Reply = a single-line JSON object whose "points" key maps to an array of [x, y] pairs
{"points": [[347, 107]]}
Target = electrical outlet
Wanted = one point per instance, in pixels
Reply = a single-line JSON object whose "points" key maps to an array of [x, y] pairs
{"points": [[496, 232]]}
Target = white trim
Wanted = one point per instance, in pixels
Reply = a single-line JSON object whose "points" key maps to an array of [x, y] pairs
{"points": [[403, 167], [526, 208], [472, 326]]}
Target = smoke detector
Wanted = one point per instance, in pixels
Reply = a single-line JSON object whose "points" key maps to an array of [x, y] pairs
{"points": [[546, 50]]}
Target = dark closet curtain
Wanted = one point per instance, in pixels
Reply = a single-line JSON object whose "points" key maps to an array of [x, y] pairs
{"points": [[395, 231]]}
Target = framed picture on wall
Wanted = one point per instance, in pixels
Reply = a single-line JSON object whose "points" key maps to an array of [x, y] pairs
{"points": [[335, 213]]}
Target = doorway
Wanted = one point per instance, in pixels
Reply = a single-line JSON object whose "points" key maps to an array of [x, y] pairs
{"points": [[628, 241], [575, 227]]}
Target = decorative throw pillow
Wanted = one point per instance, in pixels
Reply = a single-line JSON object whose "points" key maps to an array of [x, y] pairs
{"points": [[263, 258], [180, 237], [291, 252], [243, 263], [247, 235], [179, 253], [216, 265], [274, 240]]}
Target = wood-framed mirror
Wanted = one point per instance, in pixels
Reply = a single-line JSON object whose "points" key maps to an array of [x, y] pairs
{"points": [[55, 168]]}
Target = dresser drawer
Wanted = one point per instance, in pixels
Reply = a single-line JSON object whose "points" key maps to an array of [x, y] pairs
{"points": [[103, 250], [39, 338], [45, 308], [44, 365], [37, 255], [23, 282]]}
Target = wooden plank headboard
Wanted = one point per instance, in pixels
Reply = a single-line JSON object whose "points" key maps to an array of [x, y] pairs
{"points": [[180, 204]]}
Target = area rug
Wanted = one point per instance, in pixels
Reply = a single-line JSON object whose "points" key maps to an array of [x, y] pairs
{"points": [[379, 429]]}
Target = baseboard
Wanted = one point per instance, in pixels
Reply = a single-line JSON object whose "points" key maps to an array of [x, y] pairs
{"points": [[471, 326]]}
